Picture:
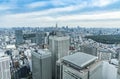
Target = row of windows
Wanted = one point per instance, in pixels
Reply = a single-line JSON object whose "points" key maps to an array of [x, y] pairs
{"points": [[4, 70]]}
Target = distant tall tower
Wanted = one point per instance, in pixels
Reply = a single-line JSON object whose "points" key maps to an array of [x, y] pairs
{"points": [[56, 29], [19, 36], [5, 67], [41, 64], [59, 46], [56, 25]]}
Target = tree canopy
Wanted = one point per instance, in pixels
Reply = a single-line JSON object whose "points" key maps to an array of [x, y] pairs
{"points": [[106, 39]]}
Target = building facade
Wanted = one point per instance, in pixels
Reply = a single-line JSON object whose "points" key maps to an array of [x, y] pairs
{"points": [[5, 68], [89, 49], [81, 66], [119, 66], [41, 64], [19, 36], [40, 38], [104, 54], [59, 46]]}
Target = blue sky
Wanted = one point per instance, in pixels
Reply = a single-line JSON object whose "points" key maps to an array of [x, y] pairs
{"points": [[84, 13]]}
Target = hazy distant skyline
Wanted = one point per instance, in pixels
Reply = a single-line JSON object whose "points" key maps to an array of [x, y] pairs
{"points": [[87, 13]]}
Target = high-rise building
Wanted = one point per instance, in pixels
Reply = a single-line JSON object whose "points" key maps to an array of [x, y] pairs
{"points": [[89, 49], [40, 38], [81, 66], [19, 36], [59, 46], [119, 65], [41, 64], [5, 67]]}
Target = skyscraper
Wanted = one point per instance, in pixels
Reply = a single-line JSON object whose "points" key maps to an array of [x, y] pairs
{"points": [[81, 66], [59, 46], [89, 49], [5, 67], [41, 64], [19, 36], [40, 38], [119, 65]]}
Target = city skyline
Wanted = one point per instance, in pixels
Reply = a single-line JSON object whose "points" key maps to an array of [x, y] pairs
{"points": [[36, 13]]}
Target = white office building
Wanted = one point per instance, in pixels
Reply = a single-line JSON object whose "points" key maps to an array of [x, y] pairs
{"points": [[4, 67], [104, 54]]}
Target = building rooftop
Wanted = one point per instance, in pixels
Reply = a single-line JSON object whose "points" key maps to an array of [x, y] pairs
{"points": [[42, 53], [59, 37], [1, 52], [104, 50], [79, 60], [10, 47]]}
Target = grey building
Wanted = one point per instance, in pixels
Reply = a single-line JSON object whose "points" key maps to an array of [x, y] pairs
{"points": [[118, 53], [119, 67], [40, 38], [89, 49], [19, 36], [81, 66], [59, 46], [41, 64], [104, 54], [119, 61]]}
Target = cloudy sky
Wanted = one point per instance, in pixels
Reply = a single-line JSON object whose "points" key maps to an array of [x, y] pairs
{"points": [[84, 13]]}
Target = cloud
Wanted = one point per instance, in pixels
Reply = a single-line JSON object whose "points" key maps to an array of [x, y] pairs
{"points": [[61, 13], [101, 3], [52, 11], [55, 3], [97, 16], [100, 19], [60, 6], [38, 4], [3, 8]]}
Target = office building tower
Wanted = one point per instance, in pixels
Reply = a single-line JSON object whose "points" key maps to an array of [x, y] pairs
{"points": [[41, 64], [58, 69], [19, 36], [81, 66], [40, 38], [89, 49], [5, 67], [59, 46], [119, 63]]}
